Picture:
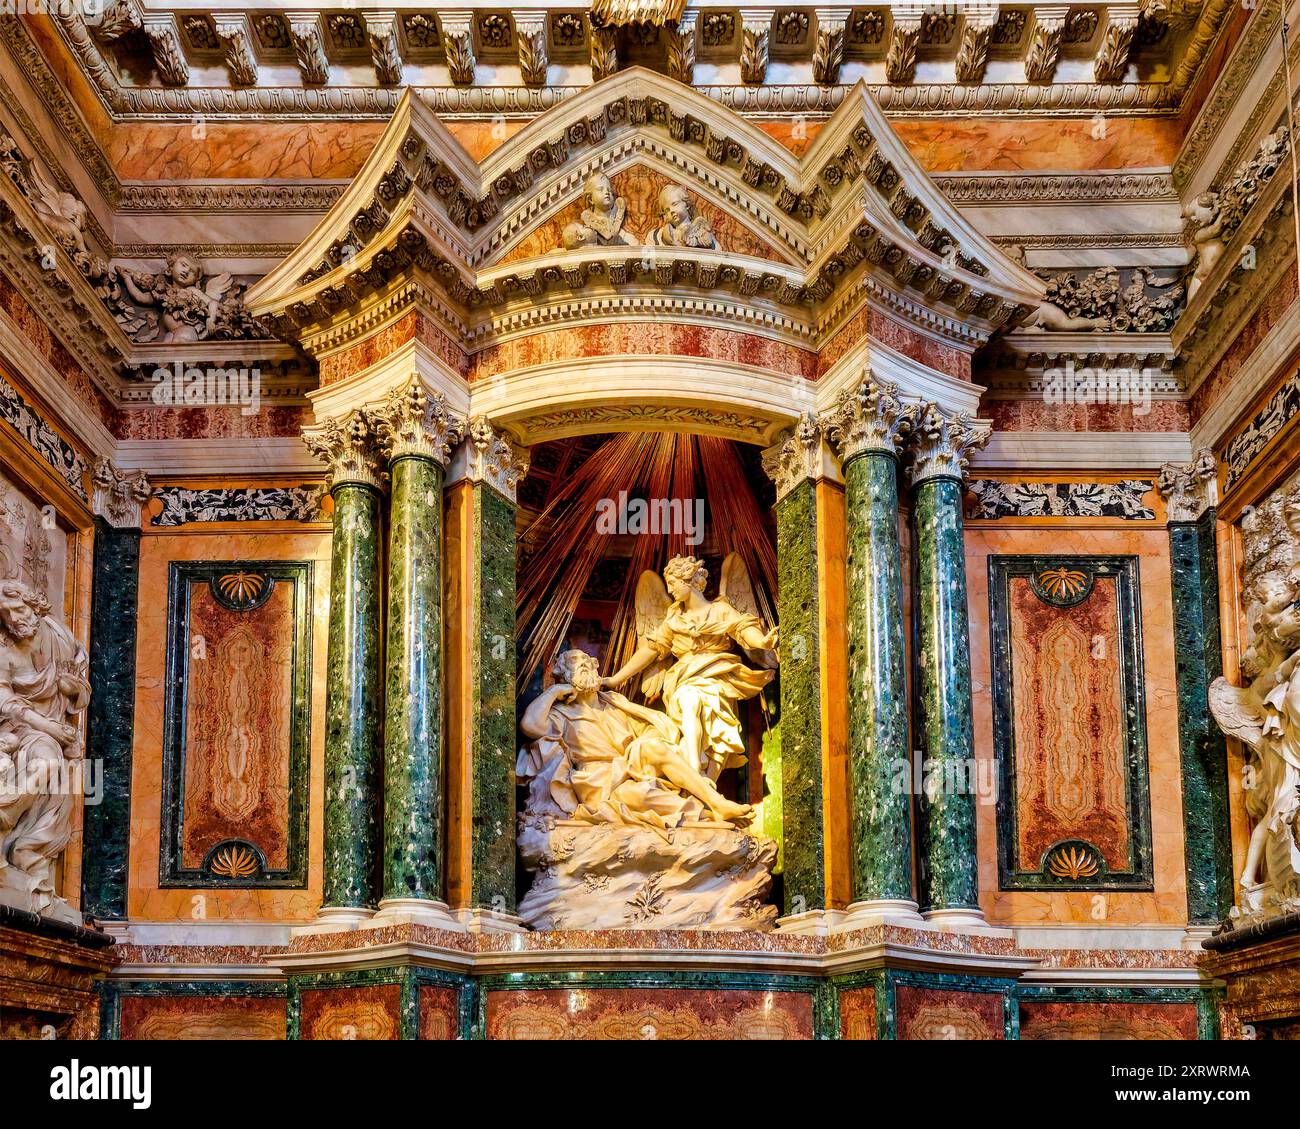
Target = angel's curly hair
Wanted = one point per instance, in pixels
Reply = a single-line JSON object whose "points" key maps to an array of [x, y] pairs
{"points": [[690, 570]]}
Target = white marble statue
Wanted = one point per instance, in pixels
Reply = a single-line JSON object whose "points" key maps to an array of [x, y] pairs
{"points": [[687, 651], [1265, 714], [624, 826], [44, 684]]}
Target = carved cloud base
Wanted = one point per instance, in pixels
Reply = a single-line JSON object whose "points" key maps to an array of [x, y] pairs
{"points": [[605, 876]]}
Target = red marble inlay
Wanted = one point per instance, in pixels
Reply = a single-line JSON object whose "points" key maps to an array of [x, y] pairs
{"points": [[439, 1013], [216, 422], [1039, 415], [238, 713], [643, 339], [202, 1017], [371, 1013], [410, 327], [648, 1013], [858, 1014], [940, 1013], [1071, 779], [866, 322], [1277, 304], [1040, 1021]]}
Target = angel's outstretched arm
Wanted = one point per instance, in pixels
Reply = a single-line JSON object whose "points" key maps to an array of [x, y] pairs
{"points": [[750, 634], [642, 658]]}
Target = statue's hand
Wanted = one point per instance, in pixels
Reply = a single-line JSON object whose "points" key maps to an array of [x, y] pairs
{"points": [[610, 683], [562, 690]]}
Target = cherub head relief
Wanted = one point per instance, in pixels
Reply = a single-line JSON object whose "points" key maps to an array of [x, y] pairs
{"points": [[679, 226], [602, 218]]}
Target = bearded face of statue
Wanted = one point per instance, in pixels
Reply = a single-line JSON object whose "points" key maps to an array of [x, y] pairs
{"points": [[584, 674], [18, 616]]}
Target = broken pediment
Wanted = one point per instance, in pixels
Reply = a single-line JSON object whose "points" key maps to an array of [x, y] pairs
{"points": [[785, 236]]}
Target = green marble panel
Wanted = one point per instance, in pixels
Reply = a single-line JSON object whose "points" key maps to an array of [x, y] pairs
{"points": [[492, 880], [1203, 754], [801, 721]]}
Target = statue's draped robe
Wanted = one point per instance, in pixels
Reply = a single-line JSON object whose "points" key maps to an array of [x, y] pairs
{"points": [[35, 805], [1280, 777], [589, 765], [708, 677]]}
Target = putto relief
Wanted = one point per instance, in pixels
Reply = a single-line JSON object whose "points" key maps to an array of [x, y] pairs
{"points": [[624, 825], [603, 219]]}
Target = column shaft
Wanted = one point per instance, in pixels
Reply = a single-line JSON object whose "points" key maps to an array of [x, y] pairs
{"points": [[880, 803], [949, 875], [352, 701], [413, 863]]}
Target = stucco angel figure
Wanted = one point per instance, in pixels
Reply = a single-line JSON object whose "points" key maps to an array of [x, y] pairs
{"points": [[1207, 237], [679, 225], [44, 684], [1265, 716], [602, 218], [687, 652], [190, 309], [598, 757]]}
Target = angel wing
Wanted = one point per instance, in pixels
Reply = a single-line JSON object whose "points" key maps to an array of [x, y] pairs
{"points": [[62, 212], [216, 287], [652, 604], [735, 586], [1237, 711]]}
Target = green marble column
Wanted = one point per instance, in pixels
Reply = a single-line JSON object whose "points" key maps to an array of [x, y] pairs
{"points": [[866, 428], [800, 718], [1198, 659], [418, 432], [948, 866], [352, 687]]}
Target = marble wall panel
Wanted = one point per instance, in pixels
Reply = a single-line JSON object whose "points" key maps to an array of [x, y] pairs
{"points": [[1166, 903], [32, 547], [1041, 1020], [170, 1018], [648, 1013], [939, 1013], [372, 1012], [147, 898]]}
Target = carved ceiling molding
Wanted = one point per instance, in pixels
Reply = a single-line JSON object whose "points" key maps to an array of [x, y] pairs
{"points": [[1057, 187], [1076, 241], [218, 197], [1242, 67], [966, 96]]}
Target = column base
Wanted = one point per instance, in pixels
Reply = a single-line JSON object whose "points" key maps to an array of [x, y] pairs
{"points": [[963, 919], [416, 911], [479, 920], [811, 923], [882, 911], [334, 919]]}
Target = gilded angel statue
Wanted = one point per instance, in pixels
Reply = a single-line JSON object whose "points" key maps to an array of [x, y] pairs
{"points": [[687, 648]]}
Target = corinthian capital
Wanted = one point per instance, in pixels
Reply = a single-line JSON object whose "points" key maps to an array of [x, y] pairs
{"points": [[795, 456], [348, 449], [869, 418], [1191, 489], [119, 495], [413, 422], [493, 459], [941, 443]]}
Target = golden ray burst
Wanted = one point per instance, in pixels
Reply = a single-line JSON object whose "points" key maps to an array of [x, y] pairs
{"points": [[235, 862], [1073, 862], [1062, 582]]}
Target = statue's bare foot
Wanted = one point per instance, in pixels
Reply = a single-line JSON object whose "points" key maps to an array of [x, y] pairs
{"points": [[733, 813]]}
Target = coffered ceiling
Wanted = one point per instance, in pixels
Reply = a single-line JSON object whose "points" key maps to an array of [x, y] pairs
{"points": [[159, 58]]}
